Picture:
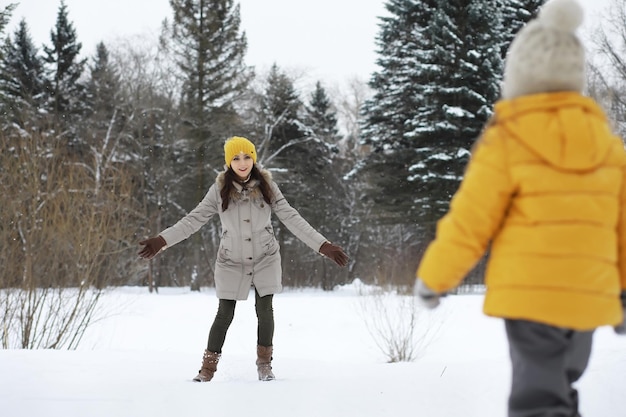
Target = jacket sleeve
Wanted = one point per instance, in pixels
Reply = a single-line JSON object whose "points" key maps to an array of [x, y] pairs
{"points": [[476, 212], [296, 224], [193, 221]]}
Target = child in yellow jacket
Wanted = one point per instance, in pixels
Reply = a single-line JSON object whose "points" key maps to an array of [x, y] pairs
{"points": [[546, 189]]}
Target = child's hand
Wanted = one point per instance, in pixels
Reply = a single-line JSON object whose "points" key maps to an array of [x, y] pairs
{"points": [[427, 297]]}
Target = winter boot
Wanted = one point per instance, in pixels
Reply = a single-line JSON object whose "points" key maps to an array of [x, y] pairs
{"points": [[209, 366], [264, 362]]}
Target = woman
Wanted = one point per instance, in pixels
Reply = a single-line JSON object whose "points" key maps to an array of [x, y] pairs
{"points": [[244, 196]]}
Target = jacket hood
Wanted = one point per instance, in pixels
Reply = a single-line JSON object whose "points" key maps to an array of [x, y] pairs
{"points": [[251, 185], [567, 130], [220, 177]]}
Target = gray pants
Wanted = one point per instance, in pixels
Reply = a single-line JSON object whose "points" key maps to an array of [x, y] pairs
{"points": [[546, 361]]}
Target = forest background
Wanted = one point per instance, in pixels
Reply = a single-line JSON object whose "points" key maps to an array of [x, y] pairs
{"points": [[98, 151]]}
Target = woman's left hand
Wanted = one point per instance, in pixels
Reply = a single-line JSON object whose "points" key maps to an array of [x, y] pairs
{"points": [[335, 253]]}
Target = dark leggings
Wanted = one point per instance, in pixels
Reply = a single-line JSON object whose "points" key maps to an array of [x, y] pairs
{"points": [[224, 317]]}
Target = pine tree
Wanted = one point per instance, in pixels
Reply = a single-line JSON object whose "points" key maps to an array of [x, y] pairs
{"points": [[440, 75], [329, 188], [404, 51], [209, 49], [515, 14], [321, 118], [103, 85], [302, 164], [464, 84], [65, 68], [21, 78], [5, 17], [464, 75], [280, 113]]}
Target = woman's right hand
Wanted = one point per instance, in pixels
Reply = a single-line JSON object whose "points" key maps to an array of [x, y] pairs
{"points": [[151, 247]]}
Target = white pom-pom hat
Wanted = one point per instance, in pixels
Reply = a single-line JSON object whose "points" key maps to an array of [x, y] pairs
{"points": [[546, 54]]}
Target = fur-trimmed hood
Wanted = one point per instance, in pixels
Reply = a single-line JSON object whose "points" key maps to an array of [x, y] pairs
{"points": [[249, 189]]}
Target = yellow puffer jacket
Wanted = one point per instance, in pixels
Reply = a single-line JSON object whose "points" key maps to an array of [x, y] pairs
{"points": [[546, 188]]}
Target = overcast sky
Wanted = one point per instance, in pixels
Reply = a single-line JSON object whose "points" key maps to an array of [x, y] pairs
{"points": [[329, 39]]}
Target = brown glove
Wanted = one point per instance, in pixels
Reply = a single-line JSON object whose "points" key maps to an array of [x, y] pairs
{"points": [[151, 247], [335, 253]]}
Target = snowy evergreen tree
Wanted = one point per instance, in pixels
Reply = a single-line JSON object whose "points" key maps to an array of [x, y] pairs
{"points": [[440, 71], [302, 164], [515, 14], [103, 85], [5, 18], [209, 48], [205, 41], [65, 68], [330, 187], [321, 118], [22, 79], [404, 50], [278, 117]]}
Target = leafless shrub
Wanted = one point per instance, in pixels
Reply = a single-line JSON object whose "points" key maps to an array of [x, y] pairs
{"points": [[62, 236], [397, 323]]}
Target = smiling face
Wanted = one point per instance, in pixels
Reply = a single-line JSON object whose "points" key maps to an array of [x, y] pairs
{"points": [[242, 164]]}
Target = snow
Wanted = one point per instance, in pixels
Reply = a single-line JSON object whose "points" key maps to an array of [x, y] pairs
{"points": [[138, 360]]}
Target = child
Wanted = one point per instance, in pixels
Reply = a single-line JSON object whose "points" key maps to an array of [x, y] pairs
{"points": [[244, 196], [546, 188]]}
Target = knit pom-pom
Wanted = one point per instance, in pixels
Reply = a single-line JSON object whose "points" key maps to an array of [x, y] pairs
{"points": [[562, 15]]}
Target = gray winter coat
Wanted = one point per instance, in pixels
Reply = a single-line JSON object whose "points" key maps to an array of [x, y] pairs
{"points": [[249, 252]]}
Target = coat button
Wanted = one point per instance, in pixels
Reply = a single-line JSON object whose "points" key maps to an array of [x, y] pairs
{"points": [[248, 239], [247, 220], [249, 273], [250, 258]]}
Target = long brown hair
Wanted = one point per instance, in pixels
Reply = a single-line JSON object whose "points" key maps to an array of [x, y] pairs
{"points": [[228, 187]]}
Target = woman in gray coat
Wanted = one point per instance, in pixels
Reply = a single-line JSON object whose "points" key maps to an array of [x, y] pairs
{"points": [[244, 197]]}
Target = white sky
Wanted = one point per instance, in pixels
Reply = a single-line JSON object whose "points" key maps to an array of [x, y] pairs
{"points": [[329, 39]]}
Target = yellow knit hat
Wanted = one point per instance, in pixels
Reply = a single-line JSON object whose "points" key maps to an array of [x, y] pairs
{"points": [[236, 145]]}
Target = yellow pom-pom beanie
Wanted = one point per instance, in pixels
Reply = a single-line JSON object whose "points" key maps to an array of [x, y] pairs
{"points": [[236, 145]]}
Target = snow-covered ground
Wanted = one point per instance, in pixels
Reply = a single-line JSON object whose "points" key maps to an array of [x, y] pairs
{"points": [[139, 361]]}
